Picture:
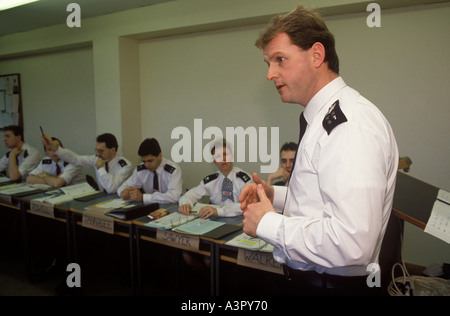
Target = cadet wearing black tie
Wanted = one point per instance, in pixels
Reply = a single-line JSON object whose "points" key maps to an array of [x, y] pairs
{"points": [[56, 172], [24, 157], [223, 187], [110, 168], [158, 178]]}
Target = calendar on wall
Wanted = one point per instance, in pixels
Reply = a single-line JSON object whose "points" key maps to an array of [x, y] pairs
{"points": [[10, 100]]}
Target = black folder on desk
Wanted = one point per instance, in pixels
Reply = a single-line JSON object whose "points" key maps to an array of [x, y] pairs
{"points": [[134, 212], [90, 197], [22, 194], [222, 231]]}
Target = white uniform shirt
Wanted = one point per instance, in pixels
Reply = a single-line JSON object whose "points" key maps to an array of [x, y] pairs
{"points": [[27, 160], [69, 172], [212, 186], [340, 195], [119, 168], [169, 180]]}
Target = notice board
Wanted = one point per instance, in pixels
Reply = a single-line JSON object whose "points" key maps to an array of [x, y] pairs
{"points": [[10, 100]]}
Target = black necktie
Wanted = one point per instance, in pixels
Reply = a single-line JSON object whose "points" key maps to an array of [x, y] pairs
{"points": [[106, 167], [58, 169], [155, 181], [303, 125]]}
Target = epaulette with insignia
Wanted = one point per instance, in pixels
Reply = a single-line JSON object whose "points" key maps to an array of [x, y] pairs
{"points": [[242, 175], [210, 178], [46, 161], [170, 169], [141, 167], [122, 163], [334, 117]]}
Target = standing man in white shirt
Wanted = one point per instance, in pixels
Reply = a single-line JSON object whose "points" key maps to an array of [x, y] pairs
{"points": [[155, 180], [338, 202], [110, 168], [22, 158]]}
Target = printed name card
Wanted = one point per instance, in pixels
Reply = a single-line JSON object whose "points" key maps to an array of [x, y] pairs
{"points": [[6, 198], [98, 222], [188, 242], [259, 260], [42, 209]]}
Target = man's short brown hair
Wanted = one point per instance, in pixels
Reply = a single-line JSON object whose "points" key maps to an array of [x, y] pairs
{"points": [[304, 27]]}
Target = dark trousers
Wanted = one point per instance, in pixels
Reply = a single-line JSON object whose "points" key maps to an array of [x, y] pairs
{"points": [[313, 283]]}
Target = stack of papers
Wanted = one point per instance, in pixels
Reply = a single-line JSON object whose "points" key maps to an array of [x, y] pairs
{"points": [[251, 243], [109, 205], [438, 224], [198, 226]]}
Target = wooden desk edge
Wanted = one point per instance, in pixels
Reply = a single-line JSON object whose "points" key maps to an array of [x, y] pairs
{"points": [[409, 219]]}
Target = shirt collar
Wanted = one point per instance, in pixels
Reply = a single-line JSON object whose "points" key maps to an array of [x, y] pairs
{"points": [[321, 98], [161, 166]]}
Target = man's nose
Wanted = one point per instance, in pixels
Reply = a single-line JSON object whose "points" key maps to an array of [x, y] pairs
{"points": [[271, 74]]}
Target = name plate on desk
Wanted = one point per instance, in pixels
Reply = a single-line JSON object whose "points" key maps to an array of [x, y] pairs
{"points": [[259, 260], [42, 209], [98, 222], [6, 198], [188, 242]]}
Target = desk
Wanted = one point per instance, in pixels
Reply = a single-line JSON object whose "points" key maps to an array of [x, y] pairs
{"points": [[153, 235], [121, 228], [413, 203]]}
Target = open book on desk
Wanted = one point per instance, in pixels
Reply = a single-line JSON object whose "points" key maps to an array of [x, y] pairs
{"points": [[21, 189]]}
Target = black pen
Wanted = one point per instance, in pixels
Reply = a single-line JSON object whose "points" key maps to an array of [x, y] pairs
{"points": [[42, 131]]}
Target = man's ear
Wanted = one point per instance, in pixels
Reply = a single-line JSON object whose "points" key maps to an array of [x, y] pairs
{"points": [[318, 54]]}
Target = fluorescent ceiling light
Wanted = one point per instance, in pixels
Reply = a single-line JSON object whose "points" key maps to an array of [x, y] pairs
{"points": [[8, 4]]}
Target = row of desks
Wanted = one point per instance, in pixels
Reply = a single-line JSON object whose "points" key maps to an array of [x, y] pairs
{"points": [[71, 214], [413, 203]]}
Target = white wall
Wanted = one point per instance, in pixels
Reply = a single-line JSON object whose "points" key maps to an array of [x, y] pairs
{"points": [[57, 94]]}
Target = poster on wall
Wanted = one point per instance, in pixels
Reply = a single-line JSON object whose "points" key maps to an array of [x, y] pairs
{"points": [[10, 100]]}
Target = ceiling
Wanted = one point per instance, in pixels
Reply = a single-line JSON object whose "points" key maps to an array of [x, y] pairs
{"points": [[52, 12]]}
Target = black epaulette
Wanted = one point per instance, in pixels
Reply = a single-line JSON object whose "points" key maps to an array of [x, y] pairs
{"points": [[210, 178], [334, 117], [141, 167], [243, 176], [46, 161], [170, 169], [25, 154], [122, 163]]}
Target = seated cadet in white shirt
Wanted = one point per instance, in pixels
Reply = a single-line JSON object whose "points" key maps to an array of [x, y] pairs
{"points": [[22, 158], [111, 169], [155, 180], [287, 156], [56, 172], [222, 187], [340, 195]]}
